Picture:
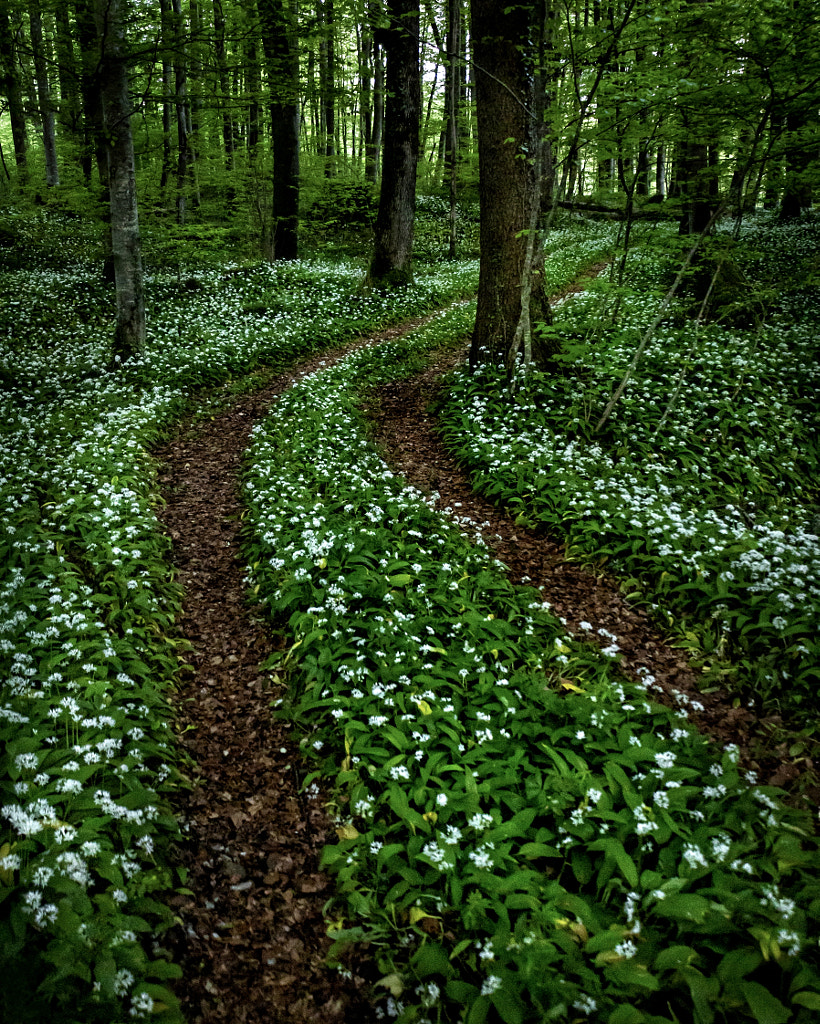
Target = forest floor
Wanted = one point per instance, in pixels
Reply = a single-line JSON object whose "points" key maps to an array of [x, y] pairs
{"points": [[252, 937]]}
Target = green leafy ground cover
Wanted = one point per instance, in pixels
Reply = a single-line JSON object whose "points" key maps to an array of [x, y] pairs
{"points": [[703, 486], [523, 836], [86, 649]]}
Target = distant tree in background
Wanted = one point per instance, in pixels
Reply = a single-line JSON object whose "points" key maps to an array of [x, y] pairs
{"points": [[705, 105], [392, 261], [129, 335]]}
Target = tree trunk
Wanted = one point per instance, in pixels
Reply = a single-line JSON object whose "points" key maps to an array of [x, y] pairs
{"points": [[181, 104], [10, 88], [366, 94], [392, 262], [70, 112], [253, 86], [452, 97], [228, 137], [693, 186], [167, 93], [800, 147], [43, 94], [327, 83], [129, 336], [94, 150], [510, 286], [281, 242], [660, 172], [374, 149], [195, 59]]}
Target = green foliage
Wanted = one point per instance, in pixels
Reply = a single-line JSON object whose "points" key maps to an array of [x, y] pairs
{"points": [[522, 835], [87, 649], [344, 204], [703, 484]]}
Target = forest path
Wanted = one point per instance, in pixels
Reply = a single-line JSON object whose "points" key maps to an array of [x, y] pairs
{"points": [[405, 432], [252, 938]]}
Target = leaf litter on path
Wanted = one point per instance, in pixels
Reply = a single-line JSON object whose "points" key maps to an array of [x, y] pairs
{"points": [[251, 934]]}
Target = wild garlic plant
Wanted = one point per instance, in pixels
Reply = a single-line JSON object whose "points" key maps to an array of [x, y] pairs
{"points": [[521, 831], [709, 503], [86, 632]]}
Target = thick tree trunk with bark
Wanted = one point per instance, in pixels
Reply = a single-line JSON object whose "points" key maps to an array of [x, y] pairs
{"points": [[392, 262], [510, 290], [129, 336], [693, 186], [281, 240], [10, 88]]}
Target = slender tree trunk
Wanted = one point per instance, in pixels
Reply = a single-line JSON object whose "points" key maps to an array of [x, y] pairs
{"points": [[70, 116], [452, 97], [228, 136], [43, 94], [94, 151], [167, 93], [10, 88], [181, 103], [366, 93], [195, 60], [129, 336], [254, 90], [374, 150], [660, 172], [314, 106], [327, 83], [392, 262], [281, 53]]}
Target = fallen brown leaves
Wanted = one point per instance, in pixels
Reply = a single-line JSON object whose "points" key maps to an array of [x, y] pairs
{"points": [[252, 938]]}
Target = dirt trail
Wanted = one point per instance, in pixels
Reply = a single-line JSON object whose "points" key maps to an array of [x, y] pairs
{"points": [[252, 938], [405, 430], [252, 941]]}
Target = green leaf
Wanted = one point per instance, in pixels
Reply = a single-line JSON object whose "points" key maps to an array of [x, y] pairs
{"points": [[811, 1000], [767, 1009], [614, 848], [516, 826], [431, 959], [478, 1011], [684, 906], [533, 851], [674, 958], [509, 1008], [630, 973], [626, 1014], [704, 992], [738, 963]]}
